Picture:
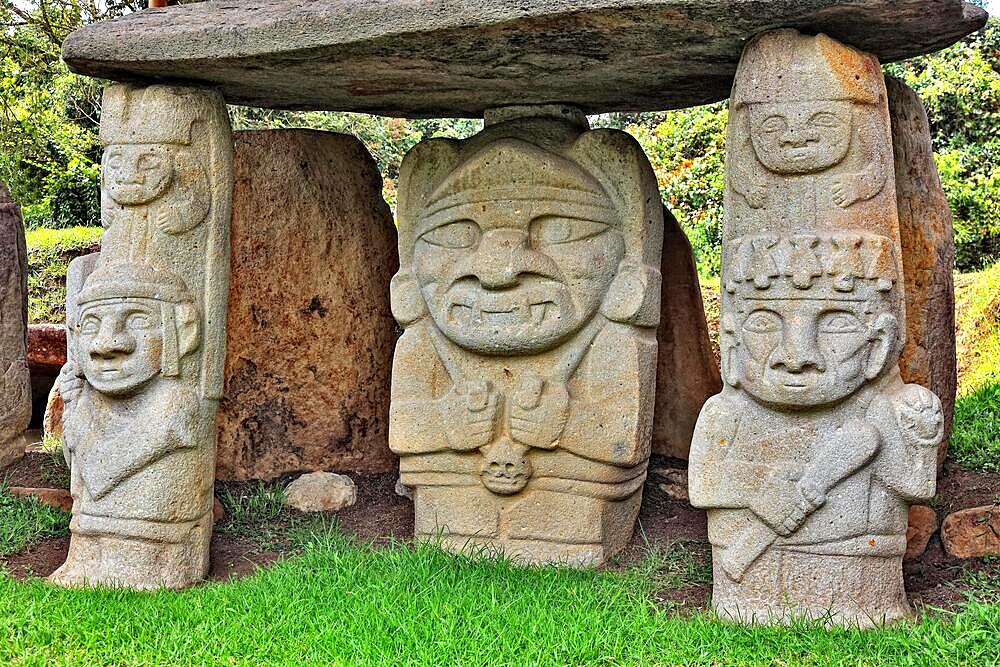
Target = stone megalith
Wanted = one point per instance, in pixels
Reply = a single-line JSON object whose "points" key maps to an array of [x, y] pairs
{"points": [[146, 330], [928, 241], [529, 288], [310, 331], [808, 459], [15, 384]]}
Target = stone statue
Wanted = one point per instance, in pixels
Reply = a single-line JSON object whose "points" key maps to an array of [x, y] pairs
{"points": [[808, 459], [145, 320], [15, 385], [522, 387]]}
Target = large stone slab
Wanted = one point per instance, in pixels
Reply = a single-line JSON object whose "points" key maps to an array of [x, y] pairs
{"points": [[808, 460], [686, 371], [310, 332], [529, 290], [146, 321], [928, 242], [458, 58], [15, 386]]}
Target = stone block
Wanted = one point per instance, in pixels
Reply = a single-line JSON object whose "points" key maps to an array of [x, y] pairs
{"points": [[309, 349], [809, 458], [686, 371], [928, 242], [460, 57], [921, 524], [529, 290], [15, 384], [973, 532]]}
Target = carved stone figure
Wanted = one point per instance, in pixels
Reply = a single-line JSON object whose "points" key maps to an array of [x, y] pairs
{"points": [[808, 459], [146, 334], [15, 385], [529, 287]]}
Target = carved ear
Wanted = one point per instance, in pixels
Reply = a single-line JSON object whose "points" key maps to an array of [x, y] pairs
{"points": [[885, 333], [728, 344], [405, 299], [634, 296], [188, 330]]}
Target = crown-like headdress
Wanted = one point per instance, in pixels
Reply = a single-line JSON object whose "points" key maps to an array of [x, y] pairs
{"points": [[149, 115]]}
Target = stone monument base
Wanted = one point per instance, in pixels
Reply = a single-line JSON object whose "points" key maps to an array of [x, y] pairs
{"points": [[785, 586], [534, 527], [98, 559]]}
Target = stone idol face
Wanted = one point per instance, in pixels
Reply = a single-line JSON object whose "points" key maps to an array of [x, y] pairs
{"points": [[145, 338], [529, 292], [808, 459], [15, 387]]}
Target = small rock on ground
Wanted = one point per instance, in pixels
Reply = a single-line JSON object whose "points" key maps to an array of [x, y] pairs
{"points": [[973, 532], [321, 492], [920, 527]]}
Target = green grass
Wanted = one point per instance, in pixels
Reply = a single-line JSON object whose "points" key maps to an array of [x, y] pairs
{"points": [[344, 603], [25, 520], [975, 437], [49, 254]]}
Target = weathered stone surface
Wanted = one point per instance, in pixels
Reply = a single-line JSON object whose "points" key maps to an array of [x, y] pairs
{"points": [[809, 458], [928, 241], [52, 421], [454, 58], [147, 320], [686, 371], [321, 492], [529, 288], [921, 524], [675, 482], [46, 348], [15, 385], [973, 532], [58, 498], [311, 333]]}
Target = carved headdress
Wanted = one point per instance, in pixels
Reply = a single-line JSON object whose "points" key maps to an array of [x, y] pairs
{"points": [[150, 115], [603, 174]]}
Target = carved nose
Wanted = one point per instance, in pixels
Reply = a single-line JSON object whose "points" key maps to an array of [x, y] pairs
{"points": [[503, 255], [799, 352], [110, 343]]}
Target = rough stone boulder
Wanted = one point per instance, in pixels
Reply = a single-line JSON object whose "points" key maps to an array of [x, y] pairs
{"points": [[46, 348], [15, 386], [973, 532], [321, 492], [686, 370], [920, 526], [928, 242], [460, 57], [310, 334]]}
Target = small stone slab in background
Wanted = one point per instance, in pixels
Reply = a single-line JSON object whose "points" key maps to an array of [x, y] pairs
{"points": [[321, 492], [921, 524], [57, 498], [973, 532], [460, 57]]}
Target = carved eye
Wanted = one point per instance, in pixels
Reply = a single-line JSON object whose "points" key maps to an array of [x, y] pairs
{"points": [[839, 322], [138, 322], [114, 161], [90, 325], [150, 162], [551, 230], [824, 119], [762, 321], [774, 124], [463, 234]]}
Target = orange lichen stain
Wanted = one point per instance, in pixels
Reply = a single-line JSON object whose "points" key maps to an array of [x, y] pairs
{"points": [[871, 542], [722, 441]]}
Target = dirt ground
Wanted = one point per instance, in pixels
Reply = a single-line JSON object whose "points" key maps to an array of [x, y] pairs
{"points": [[380, 514]]}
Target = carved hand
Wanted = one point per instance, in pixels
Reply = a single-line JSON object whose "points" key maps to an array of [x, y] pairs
{"points": [[784, 504], [756, 195], [539, 411], [468, 414], [70, 384], [918, 413], [846, 189]]}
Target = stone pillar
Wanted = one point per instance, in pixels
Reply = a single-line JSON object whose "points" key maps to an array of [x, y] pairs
{"points": [[808, 459], [687, 373], [310, 332], [15, 385], [928, 241], [529, 287], [144, 370]]}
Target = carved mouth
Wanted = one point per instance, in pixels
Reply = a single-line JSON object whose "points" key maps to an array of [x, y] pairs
{"points": [[491, 311]]}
